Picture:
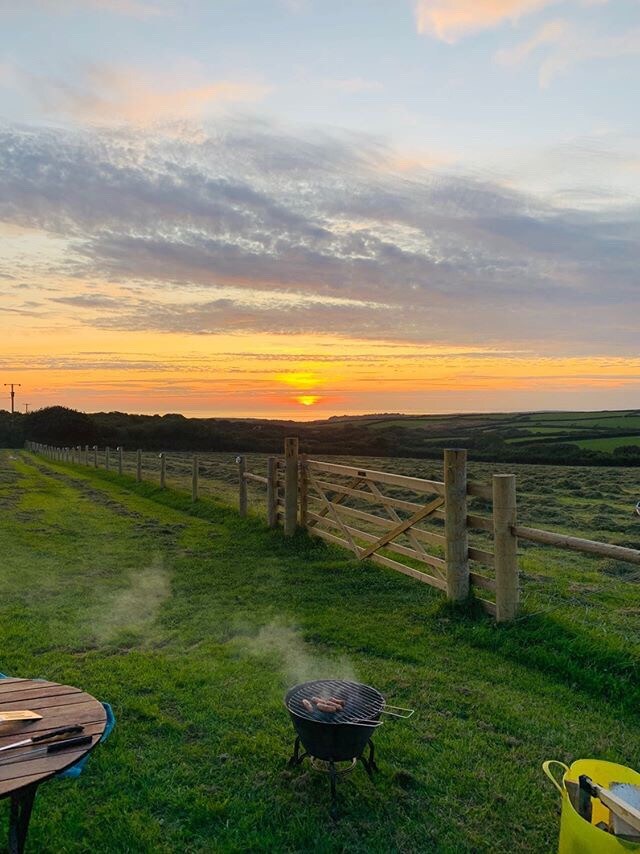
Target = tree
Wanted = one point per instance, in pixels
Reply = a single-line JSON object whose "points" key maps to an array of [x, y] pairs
{"points": [[58, 425]]}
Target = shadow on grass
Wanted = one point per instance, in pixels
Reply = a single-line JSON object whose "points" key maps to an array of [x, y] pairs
{"points": [[588, 662]]}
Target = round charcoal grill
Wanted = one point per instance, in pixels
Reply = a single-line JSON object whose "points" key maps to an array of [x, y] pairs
{"points": [[340, 736], [332, 737]]}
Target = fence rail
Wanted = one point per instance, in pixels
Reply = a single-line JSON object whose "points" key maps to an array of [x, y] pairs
{"points": [[415, 526]]}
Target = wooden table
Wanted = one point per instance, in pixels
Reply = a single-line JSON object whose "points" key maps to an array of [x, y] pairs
{"points": [[59, 705]]}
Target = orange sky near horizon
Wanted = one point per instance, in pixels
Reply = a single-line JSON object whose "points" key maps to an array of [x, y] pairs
{"points": [[301, 376]]}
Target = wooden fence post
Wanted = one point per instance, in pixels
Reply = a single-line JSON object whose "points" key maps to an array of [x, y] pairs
{"points": [[457, 541], [95, 456], [107, 457], [242, 485], [290, 486], [120, 455], [138, 465], [304, 490], [163, 471], [272, 492], [194, 479], [505, 545], [86, 455]]}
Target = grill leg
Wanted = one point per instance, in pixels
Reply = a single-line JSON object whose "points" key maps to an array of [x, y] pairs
{"points": [[370, 763], [334, 798], [21, 806], [297, 758], [372, 753]]}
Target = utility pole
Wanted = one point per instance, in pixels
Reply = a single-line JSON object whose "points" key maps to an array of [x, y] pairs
{"points": [[13, 395], [26, 408]]}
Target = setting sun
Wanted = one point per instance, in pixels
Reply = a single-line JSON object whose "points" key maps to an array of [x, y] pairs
{"points": [[307, 399]]}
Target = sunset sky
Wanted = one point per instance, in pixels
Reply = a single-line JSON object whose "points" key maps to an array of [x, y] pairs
{"points": [[301, 208]]}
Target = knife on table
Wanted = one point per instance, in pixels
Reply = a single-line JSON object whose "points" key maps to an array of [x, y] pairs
{"points": [[54, 733], [81, 741]]}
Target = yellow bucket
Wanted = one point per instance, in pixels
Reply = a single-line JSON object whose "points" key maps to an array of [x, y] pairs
{"points": [[578, 836]]}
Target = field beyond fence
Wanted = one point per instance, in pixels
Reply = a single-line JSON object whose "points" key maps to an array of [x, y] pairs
{"points": [[464, 538]]}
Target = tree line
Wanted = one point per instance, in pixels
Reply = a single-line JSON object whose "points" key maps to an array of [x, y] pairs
{"points": [[61, 426]]}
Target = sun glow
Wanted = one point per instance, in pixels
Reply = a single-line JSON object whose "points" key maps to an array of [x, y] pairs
{"points": [[307, 399], [300, 379]]}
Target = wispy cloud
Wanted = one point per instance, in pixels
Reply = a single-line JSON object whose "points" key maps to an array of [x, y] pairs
{"points": [[107, 94], [450, 20], [563, 46]]}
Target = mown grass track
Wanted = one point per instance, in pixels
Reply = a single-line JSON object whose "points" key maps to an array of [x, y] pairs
{"points": [[192, 621]]}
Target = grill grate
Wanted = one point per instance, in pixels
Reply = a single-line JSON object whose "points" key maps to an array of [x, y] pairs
{"points": [[361, 702]]}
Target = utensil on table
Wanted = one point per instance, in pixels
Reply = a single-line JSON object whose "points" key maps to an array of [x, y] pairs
{"points": [[57, 746], [53, 734]]}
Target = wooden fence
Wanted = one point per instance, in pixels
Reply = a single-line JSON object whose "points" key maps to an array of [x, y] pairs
{"points": [[114, 460], [421, 528]]}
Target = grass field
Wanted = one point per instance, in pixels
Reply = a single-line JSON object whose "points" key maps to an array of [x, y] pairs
{"points": [[609, 444], [596, 431], [192, 622]]}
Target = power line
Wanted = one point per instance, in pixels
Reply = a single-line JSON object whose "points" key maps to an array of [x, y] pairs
{"points": [[13, 395]]}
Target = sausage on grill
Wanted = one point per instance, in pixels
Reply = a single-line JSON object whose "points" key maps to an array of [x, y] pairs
{"points": [[325, 706]]}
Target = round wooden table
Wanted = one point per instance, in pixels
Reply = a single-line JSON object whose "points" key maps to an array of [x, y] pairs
{"points": [[21, 769]]}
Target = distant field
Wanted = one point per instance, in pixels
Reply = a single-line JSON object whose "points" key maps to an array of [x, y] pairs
{"points": [[579, 416], [632, 422], [409, 423], [557, 429], [593, 432], [609, 444]]}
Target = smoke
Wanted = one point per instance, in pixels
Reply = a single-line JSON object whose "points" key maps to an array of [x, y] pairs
{"points": [[295, 659], [131, 610]]}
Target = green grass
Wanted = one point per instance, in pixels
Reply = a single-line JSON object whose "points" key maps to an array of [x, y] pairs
{"points": [[604, 443], [581, 416], [609, 444], [192, 622]]}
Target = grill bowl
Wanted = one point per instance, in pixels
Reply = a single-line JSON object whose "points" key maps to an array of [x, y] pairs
{"points": [[335, 737]]}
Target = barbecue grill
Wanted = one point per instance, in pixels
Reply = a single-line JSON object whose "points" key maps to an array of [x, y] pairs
{"points": [[330, 738]]}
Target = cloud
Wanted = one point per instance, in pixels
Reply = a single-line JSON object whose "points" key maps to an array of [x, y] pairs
{"points": [[256, 228], [550, 33], [107, 94], [564, 46], [88, 301], [450, 20]]}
